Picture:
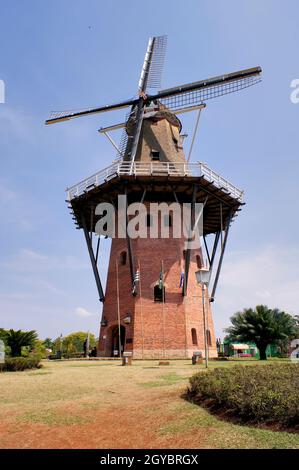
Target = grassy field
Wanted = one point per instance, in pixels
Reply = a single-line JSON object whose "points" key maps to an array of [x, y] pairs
{"points": [[99, 404]]}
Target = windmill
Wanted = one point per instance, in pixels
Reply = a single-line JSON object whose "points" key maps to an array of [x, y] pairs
{"points": [[179, 99], [151, 167]]}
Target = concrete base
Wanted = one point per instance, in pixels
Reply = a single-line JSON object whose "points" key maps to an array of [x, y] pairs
{"points": [[167, 354]]}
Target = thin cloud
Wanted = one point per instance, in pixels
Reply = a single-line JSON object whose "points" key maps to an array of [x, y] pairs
{"points": [[30, 260], [18, 208], [6, 194], [17, 123], [82, 312]]}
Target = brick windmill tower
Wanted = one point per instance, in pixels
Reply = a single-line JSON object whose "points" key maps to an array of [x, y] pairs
{"points": [[153, 306]]}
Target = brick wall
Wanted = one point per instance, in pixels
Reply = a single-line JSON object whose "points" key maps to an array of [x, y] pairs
{"points": [[156, 329]]}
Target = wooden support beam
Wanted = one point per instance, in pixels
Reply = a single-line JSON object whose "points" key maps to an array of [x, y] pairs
{"points": [[92, 259], [129, 243], [98, 247], [207, 250], [221, 257], [91, 221], [217, 236], [188, 251]]}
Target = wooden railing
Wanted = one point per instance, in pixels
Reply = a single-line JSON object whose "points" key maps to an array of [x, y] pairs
{"points": [[153, 169]]}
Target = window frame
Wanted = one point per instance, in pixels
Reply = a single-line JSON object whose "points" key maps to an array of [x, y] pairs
{"points": [[194, 337], [123, 258], [158, 298], [154, 155]]}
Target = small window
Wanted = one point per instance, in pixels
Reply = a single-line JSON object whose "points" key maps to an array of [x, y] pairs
{"points": [[159, 293], [149, 220], [167, 220], [194, 336], [123, 258], [198, 261], [209, 339], [155, 155]]}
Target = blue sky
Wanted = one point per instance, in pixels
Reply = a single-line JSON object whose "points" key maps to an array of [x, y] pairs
{"points": [[73, 53]]}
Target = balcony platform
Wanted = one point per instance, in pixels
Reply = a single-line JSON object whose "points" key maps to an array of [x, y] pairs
{"points": [[161, 180]]}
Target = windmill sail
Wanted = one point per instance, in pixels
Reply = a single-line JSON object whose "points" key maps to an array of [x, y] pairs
{"points": [[157, 62], [148, 74], [152, 68], [58, 116], [124, 141], [194, 93], [180, 98], [193, 98]]}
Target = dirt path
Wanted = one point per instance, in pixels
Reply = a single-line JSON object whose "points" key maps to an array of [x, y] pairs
{"points": [[117, 426], [104, 405], [123, 407]]}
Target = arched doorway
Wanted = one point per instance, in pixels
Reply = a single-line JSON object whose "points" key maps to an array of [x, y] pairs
{"points": [[115, 341]]}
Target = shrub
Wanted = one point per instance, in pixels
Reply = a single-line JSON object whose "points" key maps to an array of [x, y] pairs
{"points": [[13, 364], [257, 394]]}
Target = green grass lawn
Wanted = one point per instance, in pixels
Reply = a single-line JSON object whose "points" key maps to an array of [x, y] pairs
{"points": [[99, 404]]}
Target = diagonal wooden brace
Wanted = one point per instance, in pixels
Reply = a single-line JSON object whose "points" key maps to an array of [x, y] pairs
{"points": [[92, 259]]}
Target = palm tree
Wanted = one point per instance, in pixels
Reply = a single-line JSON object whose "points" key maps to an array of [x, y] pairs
{"points": [[263, 326], [17, 339], [48, 343]]}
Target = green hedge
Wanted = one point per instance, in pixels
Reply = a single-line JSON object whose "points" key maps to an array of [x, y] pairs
{"points": [[257, 394], [13, 364]]}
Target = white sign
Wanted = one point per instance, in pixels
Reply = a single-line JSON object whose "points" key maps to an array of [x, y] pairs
{"points": [[2, 352]]}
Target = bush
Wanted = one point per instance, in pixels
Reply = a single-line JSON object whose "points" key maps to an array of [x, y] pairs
{"points": [[257, 394], [13, 364]]}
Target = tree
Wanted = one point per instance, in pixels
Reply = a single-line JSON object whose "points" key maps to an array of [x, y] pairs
{"points": [[48, 343], [17, 339], [2, 334], [263, 326], [39, 348], [284, 319], [74, 342]]}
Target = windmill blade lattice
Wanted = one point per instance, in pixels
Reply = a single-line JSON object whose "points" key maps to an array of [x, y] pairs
{"points": [[123, 143], [157, 62], [195, 97]]}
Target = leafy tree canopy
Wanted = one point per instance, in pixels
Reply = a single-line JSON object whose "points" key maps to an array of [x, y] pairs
{"points": [[74, 342], [48, 343], [263, 326], [16, 339]]}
